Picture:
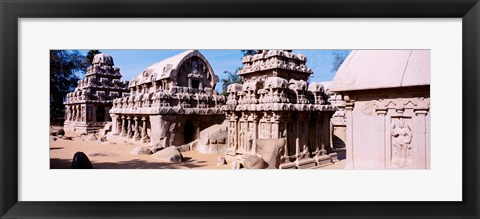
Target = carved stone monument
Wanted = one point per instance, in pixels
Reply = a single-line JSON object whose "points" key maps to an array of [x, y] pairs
{"points": [[87, 108], [274, 102], [386, 104], [170, 102]]}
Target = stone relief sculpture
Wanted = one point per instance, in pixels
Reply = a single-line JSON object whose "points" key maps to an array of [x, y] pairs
{"points": [[401, 143]]}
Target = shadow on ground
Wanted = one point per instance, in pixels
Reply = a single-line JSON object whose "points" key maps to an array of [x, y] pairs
{"points": [[188, 162]]}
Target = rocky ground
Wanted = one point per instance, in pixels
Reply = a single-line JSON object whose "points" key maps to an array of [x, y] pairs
{"points": [[109, 155]]}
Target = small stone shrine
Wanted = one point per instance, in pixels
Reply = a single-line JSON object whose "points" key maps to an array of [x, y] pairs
{"points": [[385, 109], [87, 108], [276, 115], [170, 102]]}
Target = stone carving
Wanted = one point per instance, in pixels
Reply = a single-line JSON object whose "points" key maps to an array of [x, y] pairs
{"points": [[97, 90], [275, 91], [178, 93], [401, 143]]}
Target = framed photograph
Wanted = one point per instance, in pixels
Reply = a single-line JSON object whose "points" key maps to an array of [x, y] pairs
{"points": [[239, 109]]}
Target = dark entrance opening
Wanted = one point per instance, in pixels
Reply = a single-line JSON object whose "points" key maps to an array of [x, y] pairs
{"points": [[100, 113], [195, 84], [189, 132]]}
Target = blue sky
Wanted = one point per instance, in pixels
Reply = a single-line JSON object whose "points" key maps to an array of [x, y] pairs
{"points": [[132, 62]]}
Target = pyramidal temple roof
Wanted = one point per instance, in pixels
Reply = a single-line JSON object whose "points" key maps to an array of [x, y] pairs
{"points": [[375, 69]]}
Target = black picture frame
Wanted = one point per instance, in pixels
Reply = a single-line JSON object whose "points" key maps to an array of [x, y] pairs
{"points": [[11, 11]]}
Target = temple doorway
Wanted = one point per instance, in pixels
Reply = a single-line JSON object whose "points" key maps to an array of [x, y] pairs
{"points": [[100, 114], [189, 132]]}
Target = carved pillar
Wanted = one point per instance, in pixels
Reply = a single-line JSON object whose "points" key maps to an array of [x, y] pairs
{"points": [[420, 134], [119, 125], [136, 132], [124, 126], [297, 139], [318, 136], [286, 136], [129, 127], [67, 117], [189, 82], [255, 133], [349, 138], [145, 137], [386, 136], [325, 132]]}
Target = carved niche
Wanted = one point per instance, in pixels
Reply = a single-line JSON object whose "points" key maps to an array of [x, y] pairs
{"points": [[401, 141]]}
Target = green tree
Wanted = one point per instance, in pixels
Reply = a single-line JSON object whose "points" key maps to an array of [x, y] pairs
{"points": [[338, 57], [232, 78], [91, 54], [64, 69], [248, 52]]}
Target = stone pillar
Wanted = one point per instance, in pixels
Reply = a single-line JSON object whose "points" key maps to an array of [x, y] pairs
{"points": [[318, 136], [386, 136], [286, 136], [124, 126], [145, 137], [67, 117], [119, 125], [297, 139], [255, 133], [136, 133], [349, 144], [129, 127], [189, 82], [420, 160]]}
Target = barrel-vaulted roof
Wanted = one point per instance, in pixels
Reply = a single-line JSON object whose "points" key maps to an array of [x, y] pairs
{"points": [[376, 69], [168, 68]]}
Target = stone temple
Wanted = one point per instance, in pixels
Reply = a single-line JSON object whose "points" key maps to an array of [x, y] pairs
{"points": [[276, 115], [87, 108], [375, 113], [169, 103], [386, 109]]}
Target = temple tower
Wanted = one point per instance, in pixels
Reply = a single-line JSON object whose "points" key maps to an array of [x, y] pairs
{"points": [[87, 107], [276, 102]]}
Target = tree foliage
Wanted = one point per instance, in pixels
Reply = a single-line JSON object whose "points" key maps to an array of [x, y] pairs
{"points": [[249, 52], [64, 67], [232, 78], [91, 54], [338, 57]]}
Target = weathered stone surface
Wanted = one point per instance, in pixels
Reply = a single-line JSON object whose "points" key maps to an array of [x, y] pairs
{"points": [[103, 139], [67, 138], [184, 148], [213, 140], [141, 150], [170, 154], [81, 161], [271, 150], [221, 161], [92, 137], [254, 162]]}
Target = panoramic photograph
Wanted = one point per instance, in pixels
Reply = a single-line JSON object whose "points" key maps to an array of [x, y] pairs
{"points": [[240, 109]]}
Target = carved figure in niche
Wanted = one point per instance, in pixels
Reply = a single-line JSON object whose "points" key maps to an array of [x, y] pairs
{"points": [[241, 139], [250, 140], [401, 142]]}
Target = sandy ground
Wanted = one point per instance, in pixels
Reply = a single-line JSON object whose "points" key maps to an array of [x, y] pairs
{"points": [[109, 155]]}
